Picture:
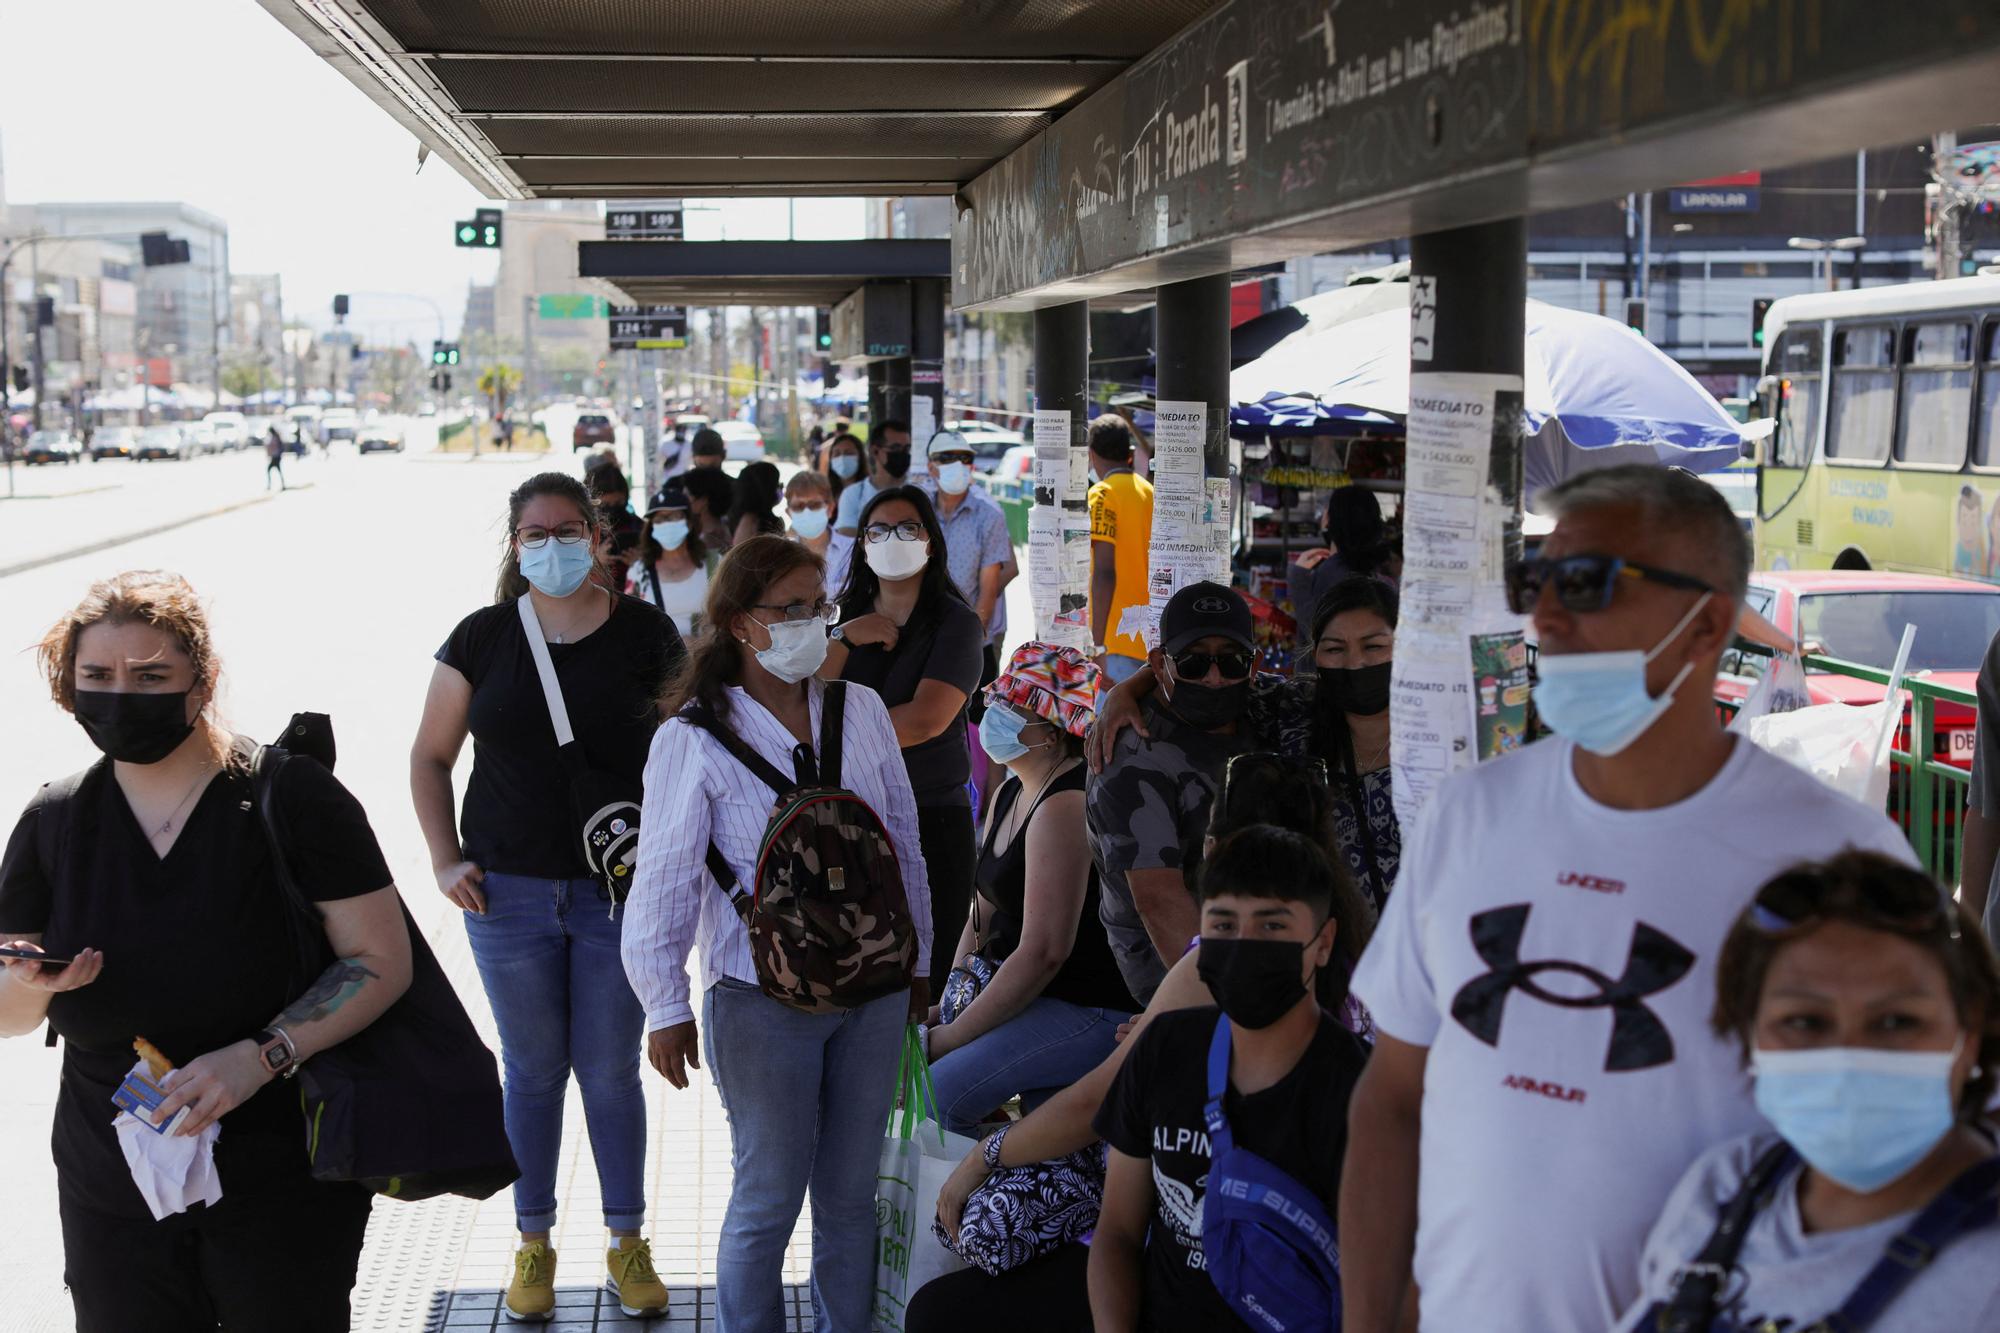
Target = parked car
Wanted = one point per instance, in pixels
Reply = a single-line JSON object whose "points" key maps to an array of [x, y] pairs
{"points": [[741, 442], [591, 430], [51, 446], [989, 442], [1857, 615], [113, 442], [1015, 468], [230, 429], [157, 442], [338, 423], [201, 440], [379, 439]]}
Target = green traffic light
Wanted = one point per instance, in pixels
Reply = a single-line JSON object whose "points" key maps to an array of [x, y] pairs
{"points": [[493, 237], [467, 234]]}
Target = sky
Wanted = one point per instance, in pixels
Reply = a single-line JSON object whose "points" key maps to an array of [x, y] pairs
{"points": [[215, 103]]}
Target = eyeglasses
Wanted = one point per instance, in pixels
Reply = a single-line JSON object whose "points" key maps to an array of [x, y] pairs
{"points": [[1905, 902], [795, 612], [568, 534], [907, 531], [1293, 768], [1584, 583], [965, 457], [1193, 666]]}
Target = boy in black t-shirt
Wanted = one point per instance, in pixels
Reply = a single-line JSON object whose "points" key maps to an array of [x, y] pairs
{"points": [[1267, 926]]}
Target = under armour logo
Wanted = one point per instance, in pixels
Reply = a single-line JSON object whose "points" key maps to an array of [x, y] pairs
{"points": [[1639, 1040]]}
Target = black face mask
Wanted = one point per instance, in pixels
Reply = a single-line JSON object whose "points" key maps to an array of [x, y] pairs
{"points": [[896, 462], [133, 728], [1362, 691], [1255, 981], [1207, 707]]}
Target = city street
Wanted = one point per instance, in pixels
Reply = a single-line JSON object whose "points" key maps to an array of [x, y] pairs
{"points": [[331, 598]]}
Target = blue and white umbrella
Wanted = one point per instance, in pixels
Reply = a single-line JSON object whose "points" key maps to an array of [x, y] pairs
{"points": [[1591, 384]]}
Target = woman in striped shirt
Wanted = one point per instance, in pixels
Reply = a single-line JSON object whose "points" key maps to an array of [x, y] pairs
{"points": [[807, 1094]]}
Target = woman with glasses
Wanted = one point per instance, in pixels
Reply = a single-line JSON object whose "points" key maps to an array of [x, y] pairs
{"points": [[544, 933], [1867, 1008], [1334, 708], [672, 569], [806, 1093], [1037, 1000], [906, 633]]}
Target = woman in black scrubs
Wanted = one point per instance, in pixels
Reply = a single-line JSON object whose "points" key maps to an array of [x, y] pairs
{"points": [[153, 872], [907, 633]]}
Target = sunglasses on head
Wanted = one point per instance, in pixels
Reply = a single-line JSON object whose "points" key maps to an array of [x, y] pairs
{"points": [[1904, 903], [1584, 582], [1233, 665], [1291, 768]]}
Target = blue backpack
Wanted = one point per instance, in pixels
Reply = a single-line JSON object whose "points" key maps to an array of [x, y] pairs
{"points": [[1270, 1247]]}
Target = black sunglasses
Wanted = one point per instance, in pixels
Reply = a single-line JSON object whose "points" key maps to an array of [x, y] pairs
{"points": [[1584, 582], [1193, 666], [1905, 903]]}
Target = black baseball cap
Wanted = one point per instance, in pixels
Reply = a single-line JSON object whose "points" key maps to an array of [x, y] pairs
{"points": [[671, 495], [1203, 609]]}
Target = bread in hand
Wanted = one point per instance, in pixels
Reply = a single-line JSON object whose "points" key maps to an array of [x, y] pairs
{"points": [[156, 1064]]}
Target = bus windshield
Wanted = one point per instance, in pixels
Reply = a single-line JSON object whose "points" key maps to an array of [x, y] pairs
{"points": [[1953, 628]]}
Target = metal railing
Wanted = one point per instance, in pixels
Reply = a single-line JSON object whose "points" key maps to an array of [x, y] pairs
{"points": [[1927, 796]]}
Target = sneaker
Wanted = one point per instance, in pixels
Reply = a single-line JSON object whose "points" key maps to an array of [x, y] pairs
{"points": [[638, 1288], [531, 1296]]}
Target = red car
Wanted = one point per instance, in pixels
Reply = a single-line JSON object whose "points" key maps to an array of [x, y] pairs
{"points": [[592, 429], [1858, 616]]}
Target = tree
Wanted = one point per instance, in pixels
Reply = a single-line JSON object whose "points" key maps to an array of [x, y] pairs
{"points": [[497, 382]]}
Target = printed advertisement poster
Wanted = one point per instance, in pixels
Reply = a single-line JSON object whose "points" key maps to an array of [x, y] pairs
{"points": [[1500, 691]]}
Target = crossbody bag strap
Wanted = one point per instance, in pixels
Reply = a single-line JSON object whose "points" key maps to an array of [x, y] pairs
{"points": [[832, 711], [1219, 1139], [1968, 1203], [653, 578], [699, 715], [303, 922], [1691, 1309], [538, 648]]}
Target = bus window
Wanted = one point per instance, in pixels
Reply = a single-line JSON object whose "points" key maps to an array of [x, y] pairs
{"points": [[1936, 407], [1795, 365], [1986, 450], [1861, 412]]}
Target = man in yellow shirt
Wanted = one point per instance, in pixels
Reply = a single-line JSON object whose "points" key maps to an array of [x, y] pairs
{"points": [[1121, 531]]}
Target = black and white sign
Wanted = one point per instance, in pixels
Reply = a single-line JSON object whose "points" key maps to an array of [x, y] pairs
{"points": [[643, 223], [646, 326]]}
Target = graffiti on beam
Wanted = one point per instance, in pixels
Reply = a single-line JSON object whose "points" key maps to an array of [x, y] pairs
{"points": [[1261, 113]]}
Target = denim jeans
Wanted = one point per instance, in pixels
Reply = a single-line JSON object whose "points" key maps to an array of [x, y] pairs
{"points": [[808, 1099], [1044, 1048], [547, 951]]}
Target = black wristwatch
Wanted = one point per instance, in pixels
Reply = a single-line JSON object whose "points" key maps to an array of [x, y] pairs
{"points": [[275, 1050]]}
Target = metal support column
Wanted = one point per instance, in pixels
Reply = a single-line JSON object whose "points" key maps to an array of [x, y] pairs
{"points": [[895, 391], [878, 392], [1059, 522], [926, 360], [1191, 347]]}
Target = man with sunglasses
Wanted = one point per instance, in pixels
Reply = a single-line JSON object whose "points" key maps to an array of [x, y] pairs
{"points": [[1153, 797], [1543, 974]]}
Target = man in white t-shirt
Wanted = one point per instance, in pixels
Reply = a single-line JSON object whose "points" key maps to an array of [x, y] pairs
{"points": [[1544, 970]]}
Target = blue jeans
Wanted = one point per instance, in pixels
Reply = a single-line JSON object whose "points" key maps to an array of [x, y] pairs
{"points": [[1044, 1048], [808, 1098], [547, 951]]}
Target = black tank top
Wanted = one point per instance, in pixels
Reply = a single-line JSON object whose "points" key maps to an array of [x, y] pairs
{"points": [[1090, 975]]}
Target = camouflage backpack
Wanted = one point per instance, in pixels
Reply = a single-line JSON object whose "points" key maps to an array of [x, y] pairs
{"points": [[828, 919]]}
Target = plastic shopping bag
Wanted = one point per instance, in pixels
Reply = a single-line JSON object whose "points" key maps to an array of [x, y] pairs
{"points": [[1781, 689], [1844, 746], [917, 1158]]}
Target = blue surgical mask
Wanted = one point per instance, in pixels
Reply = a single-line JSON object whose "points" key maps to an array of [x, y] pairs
{"points": [[809, 523], [672, 534], [846, 465], [1862, 1118], [954, 478], [1000, 734], [554, 568], [1599, 700]]}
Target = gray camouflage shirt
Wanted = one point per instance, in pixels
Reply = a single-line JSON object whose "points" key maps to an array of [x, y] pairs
{"points": [[1149, 802]]}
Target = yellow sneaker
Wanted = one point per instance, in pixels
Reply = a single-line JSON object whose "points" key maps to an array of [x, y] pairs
{"points": [[638, 1288], [531, 1296]]}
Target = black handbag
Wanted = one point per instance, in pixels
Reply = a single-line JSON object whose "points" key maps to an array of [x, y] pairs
{"points": [[410, 1105], [607, 808]]}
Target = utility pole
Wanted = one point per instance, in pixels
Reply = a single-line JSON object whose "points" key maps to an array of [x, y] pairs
{"points": [[528, 352], [1944, 217], [35, 281]]}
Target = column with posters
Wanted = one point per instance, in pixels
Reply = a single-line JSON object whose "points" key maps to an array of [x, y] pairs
{"points": [[1459, 690], [1059, 532], [1190, 514]]}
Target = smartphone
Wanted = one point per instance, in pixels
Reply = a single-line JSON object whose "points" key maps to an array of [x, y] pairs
{"points": [[49, 962]]}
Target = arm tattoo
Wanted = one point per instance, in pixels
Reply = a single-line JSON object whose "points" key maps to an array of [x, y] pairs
{"points": [[335, 987]]}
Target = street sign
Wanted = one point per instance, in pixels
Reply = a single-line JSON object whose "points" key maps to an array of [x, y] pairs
{"points": [[480, 232], [569, 306], [643, 222], [644, 327]]}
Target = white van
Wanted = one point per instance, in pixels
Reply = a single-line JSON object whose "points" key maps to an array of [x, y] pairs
{"points": [[230, 429]]}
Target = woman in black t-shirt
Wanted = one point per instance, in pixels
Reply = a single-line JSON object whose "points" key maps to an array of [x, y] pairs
{"points": [[152, 871], [1052, 1008], [906, 633], [544, 933]]}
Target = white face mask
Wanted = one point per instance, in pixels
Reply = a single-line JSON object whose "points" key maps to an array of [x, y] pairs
{"points": [[798, 647], [954, 478], [896, 558]]}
